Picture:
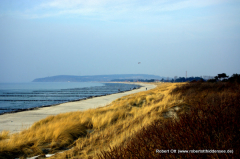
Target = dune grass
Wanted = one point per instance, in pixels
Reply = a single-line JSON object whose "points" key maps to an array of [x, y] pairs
{"points": [[211, 123], [89, 132], [4, 135], [118, 122]]}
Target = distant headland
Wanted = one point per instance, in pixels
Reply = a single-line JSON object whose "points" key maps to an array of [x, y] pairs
{"points": [[97, 78]]}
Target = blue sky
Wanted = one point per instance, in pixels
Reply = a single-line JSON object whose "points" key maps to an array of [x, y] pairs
{"points": [[95, 37]]}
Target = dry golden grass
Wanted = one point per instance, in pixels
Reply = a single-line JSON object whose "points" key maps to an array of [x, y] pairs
{"points": [[211, 123], [4, 135], [91, 131]]}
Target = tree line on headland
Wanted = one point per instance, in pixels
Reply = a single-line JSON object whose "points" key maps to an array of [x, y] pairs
{"points": [[220, 77]]}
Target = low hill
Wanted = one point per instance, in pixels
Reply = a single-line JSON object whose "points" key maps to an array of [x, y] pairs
{"points": [[97, 78]]}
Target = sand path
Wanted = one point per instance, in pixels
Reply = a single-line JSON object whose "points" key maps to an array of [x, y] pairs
{"points": [[15, 122]]}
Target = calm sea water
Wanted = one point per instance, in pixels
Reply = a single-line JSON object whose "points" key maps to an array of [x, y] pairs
{"points": [[24, 96]]}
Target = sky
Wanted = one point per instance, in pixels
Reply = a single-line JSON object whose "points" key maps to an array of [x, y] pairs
{"points": [[101, 37]]}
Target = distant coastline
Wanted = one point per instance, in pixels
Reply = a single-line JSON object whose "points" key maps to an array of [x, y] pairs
{"points": [[95, 78]]}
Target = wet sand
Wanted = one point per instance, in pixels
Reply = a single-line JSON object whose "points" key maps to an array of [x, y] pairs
{"points": [[15, 122]]}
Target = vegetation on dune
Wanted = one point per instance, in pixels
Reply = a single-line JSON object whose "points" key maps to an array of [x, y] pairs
{"points": [[212, 123], [4, 135], [119, 121], [198, 115]]}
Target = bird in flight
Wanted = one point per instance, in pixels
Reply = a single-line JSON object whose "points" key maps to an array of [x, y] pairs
{"points": [[139, 62]]}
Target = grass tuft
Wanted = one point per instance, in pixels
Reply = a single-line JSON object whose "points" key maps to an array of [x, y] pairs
{"points": [[4, 135]]}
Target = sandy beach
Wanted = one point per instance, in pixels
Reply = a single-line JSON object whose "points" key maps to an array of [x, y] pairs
{"points": [[15, 122]]}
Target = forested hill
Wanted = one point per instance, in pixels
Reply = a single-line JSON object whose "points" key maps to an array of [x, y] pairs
{"points": [[97, 78]]}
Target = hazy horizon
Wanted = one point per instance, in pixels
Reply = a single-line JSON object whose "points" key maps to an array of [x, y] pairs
{"points": [[102, 37]]}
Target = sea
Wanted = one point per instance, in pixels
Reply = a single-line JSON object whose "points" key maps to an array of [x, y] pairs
{"points": [[15, 97]]}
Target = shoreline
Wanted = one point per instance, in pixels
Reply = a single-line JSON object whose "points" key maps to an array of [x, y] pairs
{"points": [[17, 121], [51, 105]]}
